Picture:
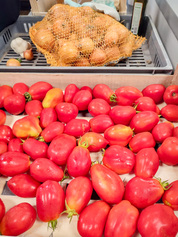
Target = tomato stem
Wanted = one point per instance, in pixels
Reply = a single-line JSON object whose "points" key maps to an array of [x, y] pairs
{"points": [[113, 98], [83, 144], [165, 184], [70, 212], [52, 224], [28, 97]]}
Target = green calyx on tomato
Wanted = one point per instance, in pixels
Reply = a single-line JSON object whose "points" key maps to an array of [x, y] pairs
{"points": [[52, 224], [70, 212], [28, 97], [83, 144], [113, 98], [165, 184]]}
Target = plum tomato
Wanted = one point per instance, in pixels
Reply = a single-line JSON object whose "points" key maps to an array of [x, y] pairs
{"points": [[154, 91], [170, 196], [2, 117], [171, 95], [163, 130], [47, 116], [82, 99], [170, 113], [77, 127], [100, 123], [98, 106], [103, 91], [66, 111]]}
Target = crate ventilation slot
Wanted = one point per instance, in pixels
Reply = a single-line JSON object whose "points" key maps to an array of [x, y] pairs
{"points": [[27, 26], [6, 37]]}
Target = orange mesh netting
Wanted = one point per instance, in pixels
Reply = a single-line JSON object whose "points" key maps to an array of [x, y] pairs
{"points": [[81, 36]]}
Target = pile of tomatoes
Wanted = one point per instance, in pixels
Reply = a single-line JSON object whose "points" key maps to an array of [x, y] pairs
{"points": [[53, 138]]}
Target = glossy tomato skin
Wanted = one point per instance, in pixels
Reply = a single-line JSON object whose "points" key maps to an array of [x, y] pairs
{"points": [[98, 106], [50, 200], [78, 193], [145, 103], [157, 220], [35, 148], [94, 140], [5, 133], [52, 130], [15, 144], [69, 92], [141, 140], [162, 130], [47, 116], [126, 95], [60, 148], [2, 209], [87, 88], [169, 112], [122, 220], [92, 219], [175, 132], [23, 185], [103, 91], [122, 114], [119, 159], [170, 196], [146, 163], [77, 127], [118, 134], [142, 192], [168, 151], [104, 179], [144, 121], [52, 98], [20, 88], [82, 99], [171, 95], [2, 117], [4, 92], [79, 162], [34, 108], [66, 111], [18, 219], [12, 163], [100, 123], [154, 91], [43, 169], [3, 147]]}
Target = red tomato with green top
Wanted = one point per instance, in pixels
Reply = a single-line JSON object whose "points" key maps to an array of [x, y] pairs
{"points": [[119, 159], [77, 127], [107, 184], [122, 220], [104, 92], [170, 196], [2, 117], [162, 130], [82, 99], [20, 88], [157, 221], [18, 219], [15, 144], [171, 95], [154, 91], [4, 92], [92, 219], [2, 209], [47, 116], [34, 108], [66, 111], [69, 92], [6, 133], [23, 185], [146, 163], [100, 123], [170, 113], [145, 104], [98, 106], [3, 147]]}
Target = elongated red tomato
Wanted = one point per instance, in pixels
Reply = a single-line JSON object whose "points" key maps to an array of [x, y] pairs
{"points": [[122, 220], [78, 195], [98, 106], [50, 201], [20, 88], [12, 163], [2, 117], [92, 219], [163, 130], [14, 104], [5, 133], [66, 111], [18, 219], [169, 112], [3, 147], [98, 126], [77, 127], [170, 196], [104, 179], [43, 169], [15, 144], [82, 99], [23, 185], [69, 92], [103, 91], [5, 91], [2, 209], [145, 104], [47, 116], [34, 108], [154, 91]]}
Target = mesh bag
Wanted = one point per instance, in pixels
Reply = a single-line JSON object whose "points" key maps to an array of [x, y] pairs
{"points": [[81, 36]]}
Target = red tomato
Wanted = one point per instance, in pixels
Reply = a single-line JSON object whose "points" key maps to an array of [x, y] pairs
{"points": [[126, 95], [14, 104], [169, 112], [144, 121], [78, 194], [145, 103], [69, 92], [23, 185], [171, 95], [12, 163], [119, 159], [154, 91], [168, 151], [35, 148], [5, 133], [142, 192], [122, 220], [77, 127], [98, 106], [141, 140], [38, 90], [47, 116], [82, 99], [4, 92], [122, 114], [3, 147], [43, 169], [170, 196], [34, 108], [18, 219], [66, 111], [157, 221], [146, 163], [94, 140], [15, 144], [79, 161], [103, 91], [60, 148], [92, 219], [100, 123], [50, 201], [2, 209], [162, 130], [87, 88], [20, 88], [52, 130], [2, 117], [52, 98], [175, 132], [107, 184], [118, 135]]}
